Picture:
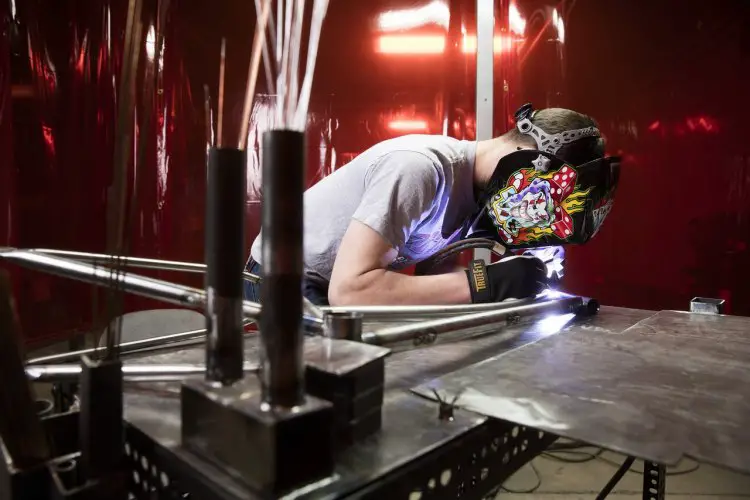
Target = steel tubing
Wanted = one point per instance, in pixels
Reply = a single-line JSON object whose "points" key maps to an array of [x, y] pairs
{"points": [[139, 285], [162, 265], [393, 312], [125, 348], [100, 259], [454, 324], [164, 291], [225, 235], [281, 293], [130, 373]]}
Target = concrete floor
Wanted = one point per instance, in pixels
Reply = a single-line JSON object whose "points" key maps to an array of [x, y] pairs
{"points": [[558, 480]]}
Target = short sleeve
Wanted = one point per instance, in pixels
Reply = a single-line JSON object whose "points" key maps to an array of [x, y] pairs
{"points": [[400, 190]]}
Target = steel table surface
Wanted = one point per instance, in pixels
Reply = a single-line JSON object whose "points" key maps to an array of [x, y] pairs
{"points": [[154, 408], [671, 385]]}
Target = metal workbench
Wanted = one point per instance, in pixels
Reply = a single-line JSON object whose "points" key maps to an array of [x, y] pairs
{"points": [[415, 453]]}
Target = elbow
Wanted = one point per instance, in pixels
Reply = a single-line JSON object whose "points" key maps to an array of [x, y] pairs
{"points": [[352, 291], [341, 294]]}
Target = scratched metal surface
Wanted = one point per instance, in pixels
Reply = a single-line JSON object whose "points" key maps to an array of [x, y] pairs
{"points": [[410, 430], [409, 368], [410, 365], [670, 385]]}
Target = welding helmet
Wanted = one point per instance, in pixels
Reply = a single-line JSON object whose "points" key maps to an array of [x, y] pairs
{"points": [[537, 199]]}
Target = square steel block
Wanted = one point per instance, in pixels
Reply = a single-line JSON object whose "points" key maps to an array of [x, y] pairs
{"points": [[232, 427]]}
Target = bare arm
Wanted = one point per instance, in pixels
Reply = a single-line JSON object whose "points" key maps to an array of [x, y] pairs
{"points": [[359, 275]]}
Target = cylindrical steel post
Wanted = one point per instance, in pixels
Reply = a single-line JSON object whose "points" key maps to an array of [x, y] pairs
{"points": [[343, 325], [281, 293], [225, 242]]}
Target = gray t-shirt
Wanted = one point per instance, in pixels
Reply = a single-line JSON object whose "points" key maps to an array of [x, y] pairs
{"points": [[415, 191]]}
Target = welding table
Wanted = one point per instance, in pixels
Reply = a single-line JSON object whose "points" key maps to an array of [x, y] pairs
{"points": [[615, 380]]}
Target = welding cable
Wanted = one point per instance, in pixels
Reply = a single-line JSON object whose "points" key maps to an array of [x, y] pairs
{"points": [[454, 248], [576, 455], [528, 490]]}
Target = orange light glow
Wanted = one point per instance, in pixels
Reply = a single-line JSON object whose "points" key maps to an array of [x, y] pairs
{"points": [[433, 44], [408, 125], [515, 20], [436, 12], [500, 44], [411, 44]]}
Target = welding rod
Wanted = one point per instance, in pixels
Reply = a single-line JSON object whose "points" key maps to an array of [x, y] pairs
{"points": [[139, 285], [130, 373], [454, 324], [282, 373], [21, 432], [225, 235]]}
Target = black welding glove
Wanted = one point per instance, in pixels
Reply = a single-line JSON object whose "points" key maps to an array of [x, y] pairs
{"points": [[512, 278]]}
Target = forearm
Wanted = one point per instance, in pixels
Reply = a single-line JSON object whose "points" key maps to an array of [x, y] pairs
{"points": [[449, 265], [387, 287]]}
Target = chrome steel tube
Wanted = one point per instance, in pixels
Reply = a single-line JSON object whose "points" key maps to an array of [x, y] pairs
{"points": [[163, 265], [393, 312], [136, 373], [344, 325], [454, 324], [139, 285], [164, 291], [136, 262], [125, 348]]}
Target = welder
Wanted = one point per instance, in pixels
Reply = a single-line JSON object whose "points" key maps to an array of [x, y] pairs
{"points": [[405, 199]]}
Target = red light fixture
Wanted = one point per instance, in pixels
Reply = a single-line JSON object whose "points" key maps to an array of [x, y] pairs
{"points": [[433, 44], [411, 44], [408, 125]]}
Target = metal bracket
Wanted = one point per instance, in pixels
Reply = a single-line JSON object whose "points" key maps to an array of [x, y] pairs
{"points": [[654, 479], [704, 305], [541, 164]]}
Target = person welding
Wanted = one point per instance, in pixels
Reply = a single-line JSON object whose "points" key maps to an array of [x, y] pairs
{"points": [[405, 199]]}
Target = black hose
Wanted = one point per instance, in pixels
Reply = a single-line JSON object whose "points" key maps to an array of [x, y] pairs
{"points": [[437, 258]]}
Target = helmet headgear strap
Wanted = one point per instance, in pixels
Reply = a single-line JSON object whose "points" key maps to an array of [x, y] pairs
{"points": [[548, 143]]}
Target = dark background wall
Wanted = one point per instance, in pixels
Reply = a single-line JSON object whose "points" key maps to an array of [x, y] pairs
{"points": [[666, 80]]}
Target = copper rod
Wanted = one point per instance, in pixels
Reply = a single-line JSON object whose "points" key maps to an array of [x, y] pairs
{"points": [[220, 118], [258, 42]]}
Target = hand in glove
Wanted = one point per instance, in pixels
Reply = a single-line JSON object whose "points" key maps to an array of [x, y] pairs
{"points": [[512, 278]]}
